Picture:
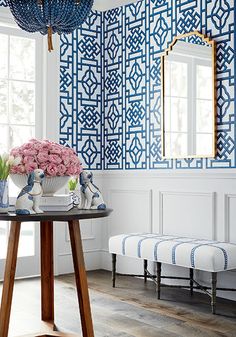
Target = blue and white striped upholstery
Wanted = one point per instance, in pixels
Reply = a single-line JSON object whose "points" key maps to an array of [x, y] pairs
{"points": [[212, 256]]}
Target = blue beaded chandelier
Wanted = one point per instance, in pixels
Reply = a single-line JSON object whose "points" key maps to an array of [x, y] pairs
{"points": [[50, 16]]}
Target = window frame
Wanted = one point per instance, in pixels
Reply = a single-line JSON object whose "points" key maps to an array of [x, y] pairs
{"points": [[47, 116], [10, 31], [47, 113]]}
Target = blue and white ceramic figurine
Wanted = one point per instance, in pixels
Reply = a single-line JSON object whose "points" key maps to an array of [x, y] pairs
{"points": [[28, 200], [4, 199], [90, 195]]}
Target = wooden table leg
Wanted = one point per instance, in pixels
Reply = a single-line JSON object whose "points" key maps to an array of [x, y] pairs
{"points": [[47, 272], [81, 278], [9, 276]]}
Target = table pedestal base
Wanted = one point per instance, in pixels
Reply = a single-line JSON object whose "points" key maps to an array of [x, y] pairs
{"points": [[47, 280]]}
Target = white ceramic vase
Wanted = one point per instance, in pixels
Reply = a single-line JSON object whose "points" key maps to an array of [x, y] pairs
{"points": [[50, 184]]}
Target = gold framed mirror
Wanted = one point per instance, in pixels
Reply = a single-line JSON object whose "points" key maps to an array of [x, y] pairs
{"points": [[188, 77]]}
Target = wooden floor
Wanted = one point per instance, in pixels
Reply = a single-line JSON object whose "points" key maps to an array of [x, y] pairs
{"points": [[127, 311]]}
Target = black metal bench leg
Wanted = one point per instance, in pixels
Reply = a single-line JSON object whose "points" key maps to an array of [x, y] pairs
{"points": [[145, 265], [158, 284], [113, 270], [191, 281], [213, 292]]}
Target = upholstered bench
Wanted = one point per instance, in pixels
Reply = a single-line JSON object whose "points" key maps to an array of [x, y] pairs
{"points": [[206, 255]]}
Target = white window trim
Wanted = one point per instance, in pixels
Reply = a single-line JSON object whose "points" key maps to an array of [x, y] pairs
{"points": [[47, 97]]}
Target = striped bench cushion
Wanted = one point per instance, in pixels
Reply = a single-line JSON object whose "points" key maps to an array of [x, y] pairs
{"points": [[212, 256]]}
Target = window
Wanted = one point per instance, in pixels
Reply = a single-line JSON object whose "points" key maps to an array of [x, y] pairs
{"points": [[20, 115], [17, 90], [29, 107]]}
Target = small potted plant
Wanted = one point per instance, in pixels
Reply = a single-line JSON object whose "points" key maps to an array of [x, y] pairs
{"points": [[6, 163], [57, 161], [72, 184]]}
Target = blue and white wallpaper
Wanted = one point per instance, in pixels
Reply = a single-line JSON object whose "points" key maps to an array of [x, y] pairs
{"points": [[138, 34], [81, 90], [116, 123], [110, 82]]}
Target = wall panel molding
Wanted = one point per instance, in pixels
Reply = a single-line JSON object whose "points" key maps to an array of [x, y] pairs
{"points": [[87, 236], [85, 251], [140, 200], [228, 209], [210, 212]]}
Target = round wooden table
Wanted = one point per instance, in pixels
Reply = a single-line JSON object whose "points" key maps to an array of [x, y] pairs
{"points": [[47, 274]]}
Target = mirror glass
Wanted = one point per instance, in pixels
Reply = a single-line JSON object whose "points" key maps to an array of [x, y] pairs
{"points": [[188, 101]]}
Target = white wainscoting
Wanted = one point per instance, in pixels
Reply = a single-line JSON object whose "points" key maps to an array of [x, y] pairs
{"points": [[199, 205], [91, 232], [190, 203], [135, 216], [91, 236], [230, 217]]}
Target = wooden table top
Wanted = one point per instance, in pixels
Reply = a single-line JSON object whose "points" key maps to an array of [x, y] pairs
{"points": [[74, 214]]}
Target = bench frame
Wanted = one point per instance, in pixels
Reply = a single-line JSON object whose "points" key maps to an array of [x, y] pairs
{"points": [[157, 280]]}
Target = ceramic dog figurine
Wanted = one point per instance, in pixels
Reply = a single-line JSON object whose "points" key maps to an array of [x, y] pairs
{"points": [[90, 196], [29, 198]]}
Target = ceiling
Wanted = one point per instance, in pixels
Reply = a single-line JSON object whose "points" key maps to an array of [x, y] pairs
{"points": [[103, 5]]}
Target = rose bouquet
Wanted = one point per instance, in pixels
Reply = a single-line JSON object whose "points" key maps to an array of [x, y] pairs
{"points": [[54, 159]]}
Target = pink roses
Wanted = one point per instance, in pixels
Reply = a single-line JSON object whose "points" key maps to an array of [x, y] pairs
{"points": [[53, 158]]}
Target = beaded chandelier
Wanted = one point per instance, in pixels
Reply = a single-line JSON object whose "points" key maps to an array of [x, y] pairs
{"points": [[50, 16]]}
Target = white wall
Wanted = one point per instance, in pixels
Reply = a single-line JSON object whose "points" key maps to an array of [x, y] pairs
{"points": [[91, 232], [189, 203], [197, 204]]}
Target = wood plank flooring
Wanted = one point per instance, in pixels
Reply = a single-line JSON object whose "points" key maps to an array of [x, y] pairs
{"points": [[130, 310]]}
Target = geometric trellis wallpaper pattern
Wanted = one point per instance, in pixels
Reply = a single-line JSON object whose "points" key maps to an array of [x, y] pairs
{"points": [[110, 82], [135, 36], [81, 88]]}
